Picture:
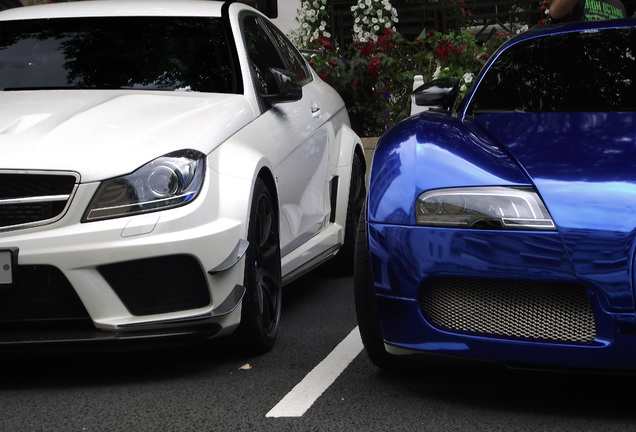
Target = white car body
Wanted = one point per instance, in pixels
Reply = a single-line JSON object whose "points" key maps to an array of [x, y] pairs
{"points": [[98, 135]]}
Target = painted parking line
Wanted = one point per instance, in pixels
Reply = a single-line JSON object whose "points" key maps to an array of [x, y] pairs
{"points": [[306, 392]]}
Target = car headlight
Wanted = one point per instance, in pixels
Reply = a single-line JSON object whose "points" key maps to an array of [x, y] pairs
{"points": [[167, 182], [483, 208]]}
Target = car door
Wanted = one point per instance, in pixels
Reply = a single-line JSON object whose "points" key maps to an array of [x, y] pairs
{"points": [[299, 135]]}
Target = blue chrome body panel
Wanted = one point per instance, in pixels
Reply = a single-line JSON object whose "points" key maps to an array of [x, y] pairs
{"points": [[583, 166]]}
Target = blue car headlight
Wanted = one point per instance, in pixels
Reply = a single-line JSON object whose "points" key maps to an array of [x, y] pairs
{"points": [[169, 181], [497, 207]]}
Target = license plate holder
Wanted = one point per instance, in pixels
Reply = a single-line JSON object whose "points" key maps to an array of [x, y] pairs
{"points": [[8, 267]]}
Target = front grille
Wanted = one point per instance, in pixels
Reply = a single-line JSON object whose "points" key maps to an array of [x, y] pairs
{"points": [[28, 199], [522, 310], [158, 285]]}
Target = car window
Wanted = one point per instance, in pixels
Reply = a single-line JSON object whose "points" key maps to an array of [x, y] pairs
{"points": [[295, 62], [592, 71], [155, 53], [262, 54]]}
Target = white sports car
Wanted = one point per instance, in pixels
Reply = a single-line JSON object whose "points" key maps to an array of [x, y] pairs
{"points": [[165, 167]]}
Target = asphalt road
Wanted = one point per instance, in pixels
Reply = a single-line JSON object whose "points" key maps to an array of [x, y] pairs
{"points": [[217, 388]]}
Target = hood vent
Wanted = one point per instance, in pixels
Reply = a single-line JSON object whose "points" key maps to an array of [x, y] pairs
{"points": [[24, 123]]}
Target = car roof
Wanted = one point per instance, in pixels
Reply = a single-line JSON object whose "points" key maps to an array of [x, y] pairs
{"points": [[98, 8], [573, 27]]}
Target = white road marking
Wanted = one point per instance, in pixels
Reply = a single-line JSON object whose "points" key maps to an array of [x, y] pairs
{"points": [[306, 392]]}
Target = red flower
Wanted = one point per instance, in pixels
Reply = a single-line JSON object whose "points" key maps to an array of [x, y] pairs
{"points": [[373, 66], [326, 43], [441, 53], [366, 49]]}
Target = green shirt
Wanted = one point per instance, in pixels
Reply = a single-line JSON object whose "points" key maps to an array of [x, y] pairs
{"points": [[603, 10]]}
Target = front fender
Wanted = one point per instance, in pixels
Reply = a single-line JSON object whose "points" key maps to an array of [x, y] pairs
{"points": [[235, 166], [429, 151]]}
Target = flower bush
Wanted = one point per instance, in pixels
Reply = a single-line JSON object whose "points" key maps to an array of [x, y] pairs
{"points": [[375, 77], [374, 74], [312, 19], [371, 17]]}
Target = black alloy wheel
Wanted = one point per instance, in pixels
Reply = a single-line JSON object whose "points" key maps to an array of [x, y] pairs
{"points": [[261, 311]]}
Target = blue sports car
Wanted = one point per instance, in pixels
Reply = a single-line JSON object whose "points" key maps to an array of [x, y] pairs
{"points": [[506, 230]]}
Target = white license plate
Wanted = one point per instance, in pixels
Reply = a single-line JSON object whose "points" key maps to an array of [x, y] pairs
{"points": [[6, 267]]}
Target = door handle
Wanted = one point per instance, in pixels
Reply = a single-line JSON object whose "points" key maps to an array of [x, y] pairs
{"points": [[315, 110]]}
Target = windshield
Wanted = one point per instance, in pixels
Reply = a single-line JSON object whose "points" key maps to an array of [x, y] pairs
{"points": [[590, 71], [153, 53]]}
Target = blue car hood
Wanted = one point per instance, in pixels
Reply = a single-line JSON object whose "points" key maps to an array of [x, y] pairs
{"points": [[584, 167]]}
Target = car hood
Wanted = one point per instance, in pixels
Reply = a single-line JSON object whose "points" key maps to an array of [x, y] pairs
{"points": [[104, 134], [583, 165]]}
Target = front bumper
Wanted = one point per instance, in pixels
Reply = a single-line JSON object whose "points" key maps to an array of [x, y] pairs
{"points": [[404, 261], [169, 275]]}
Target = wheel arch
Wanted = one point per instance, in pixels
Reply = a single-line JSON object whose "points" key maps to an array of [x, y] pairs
{"points": [[349, 145], [268, 178], [237, 167]]}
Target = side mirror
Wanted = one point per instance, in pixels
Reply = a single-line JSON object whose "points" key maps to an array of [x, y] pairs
{"points": [[286, 84], [441, 92]]}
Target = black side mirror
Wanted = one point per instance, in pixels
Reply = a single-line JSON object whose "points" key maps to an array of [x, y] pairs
{"points": [[286, 85], [441, 92]]}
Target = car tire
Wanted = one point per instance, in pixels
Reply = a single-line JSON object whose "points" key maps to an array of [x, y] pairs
{"points": [[342, 263], [366, 309], [261, 310]]}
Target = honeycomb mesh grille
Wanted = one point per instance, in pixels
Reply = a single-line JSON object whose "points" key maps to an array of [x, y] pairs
{"points": [[524, 310]]}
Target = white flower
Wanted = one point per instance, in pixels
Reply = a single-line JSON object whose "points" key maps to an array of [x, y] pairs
{"points": [[370, 18], [463, 88], [468, 77]]}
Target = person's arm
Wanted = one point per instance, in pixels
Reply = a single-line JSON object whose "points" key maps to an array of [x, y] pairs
{"points": [[560, 8]]}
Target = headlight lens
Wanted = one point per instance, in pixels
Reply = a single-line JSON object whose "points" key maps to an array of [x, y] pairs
{"points": [[167, 182], [483, 208]]}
